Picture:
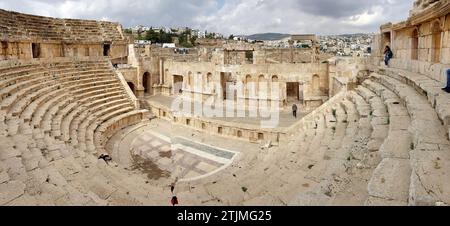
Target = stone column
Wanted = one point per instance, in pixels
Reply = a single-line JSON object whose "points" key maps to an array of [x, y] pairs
{"points": [[161, 71]]}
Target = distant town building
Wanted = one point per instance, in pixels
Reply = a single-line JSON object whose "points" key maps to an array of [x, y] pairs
{"points": [[168, 45]]}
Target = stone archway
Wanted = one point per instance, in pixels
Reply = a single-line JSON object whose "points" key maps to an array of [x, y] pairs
{"points": [[262, 86], [178, 82]]}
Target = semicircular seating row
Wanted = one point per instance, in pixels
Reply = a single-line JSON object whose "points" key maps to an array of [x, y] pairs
{"points": [[382, 144], [55, 118]]}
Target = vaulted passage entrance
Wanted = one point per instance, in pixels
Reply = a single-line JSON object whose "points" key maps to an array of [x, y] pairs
{"points": [[146, 82], [177, 85], [106, 49], [36, 49]]}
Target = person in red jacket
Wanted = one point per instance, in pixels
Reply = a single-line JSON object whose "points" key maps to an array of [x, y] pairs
{"points": [[174, 201]]}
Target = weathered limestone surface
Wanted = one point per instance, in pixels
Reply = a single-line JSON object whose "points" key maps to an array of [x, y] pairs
{"points": [[385, 142]]}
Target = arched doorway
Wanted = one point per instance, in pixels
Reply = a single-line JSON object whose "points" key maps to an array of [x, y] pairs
{"points": [[262, 86], [146, 82], [415, 45], [274, 78], [178, 82], [131, 85], [436, 42], [274, 88]]}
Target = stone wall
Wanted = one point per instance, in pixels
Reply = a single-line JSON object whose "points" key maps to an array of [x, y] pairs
{"points": [[27, 36], [282, 73], [245, 132], [291, 55], [420, 44], [344, 72]]}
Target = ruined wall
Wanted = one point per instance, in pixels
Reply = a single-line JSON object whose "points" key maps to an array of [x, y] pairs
{"points": [[421, 44], [284, 73], [265, 56], [404, 42], [236, 57], [345, 72], [15, 50], [131, 75], [421, 5]]}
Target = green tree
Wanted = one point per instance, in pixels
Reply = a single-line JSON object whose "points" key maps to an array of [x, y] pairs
{"points": [[211, 35], [128, 31]]}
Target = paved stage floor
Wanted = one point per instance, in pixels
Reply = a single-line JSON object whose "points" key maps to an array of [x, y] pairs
{"points": [[286, 118]]}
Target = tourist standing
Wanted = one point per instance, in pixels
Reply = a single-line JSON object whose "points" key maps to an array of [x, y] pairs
{"points": [[388, 54], [294, 110], [174, 201]]}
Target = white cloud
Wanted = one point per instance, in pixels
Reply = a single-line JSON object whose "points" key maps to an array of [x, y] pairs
{"points": [[229, 16]]}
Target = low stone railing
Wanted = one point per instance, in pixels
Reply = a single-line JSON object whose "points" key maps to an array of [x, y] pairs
{"points": [[128, 90], [434, 71], [308, 121]]}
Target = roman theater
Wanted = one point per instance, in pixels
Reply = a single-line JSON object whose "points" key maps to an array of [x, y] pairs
{"points": [[216, 121]]}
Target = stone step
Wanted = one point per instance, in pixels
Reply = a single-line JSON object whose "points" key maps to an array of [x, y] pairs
{"points": [[430, 157]]}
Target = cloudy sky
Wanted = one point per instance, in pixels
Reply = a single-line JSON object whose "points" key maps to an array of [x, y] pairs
{"points": [[229, 16]]}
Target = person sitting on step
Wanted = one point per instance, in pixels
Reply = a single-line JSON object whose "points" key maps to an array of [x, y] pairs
{"points": [[105, 158], [447, 89]]}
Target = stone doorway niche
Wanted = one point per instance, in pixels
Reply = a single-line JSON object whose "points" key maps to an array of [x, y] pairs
{"points": [[146, 82], [36, 50], [316, 85], [436, 43], [4, 48], [293, 91], [106, 49], [224, 79], [177, 85], [415, 45], [386, 41]]}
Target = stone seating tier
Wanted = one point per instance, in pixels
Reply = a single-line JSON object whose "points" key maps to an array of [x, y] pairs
{"points": [[17, 26], [32, 157]]}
